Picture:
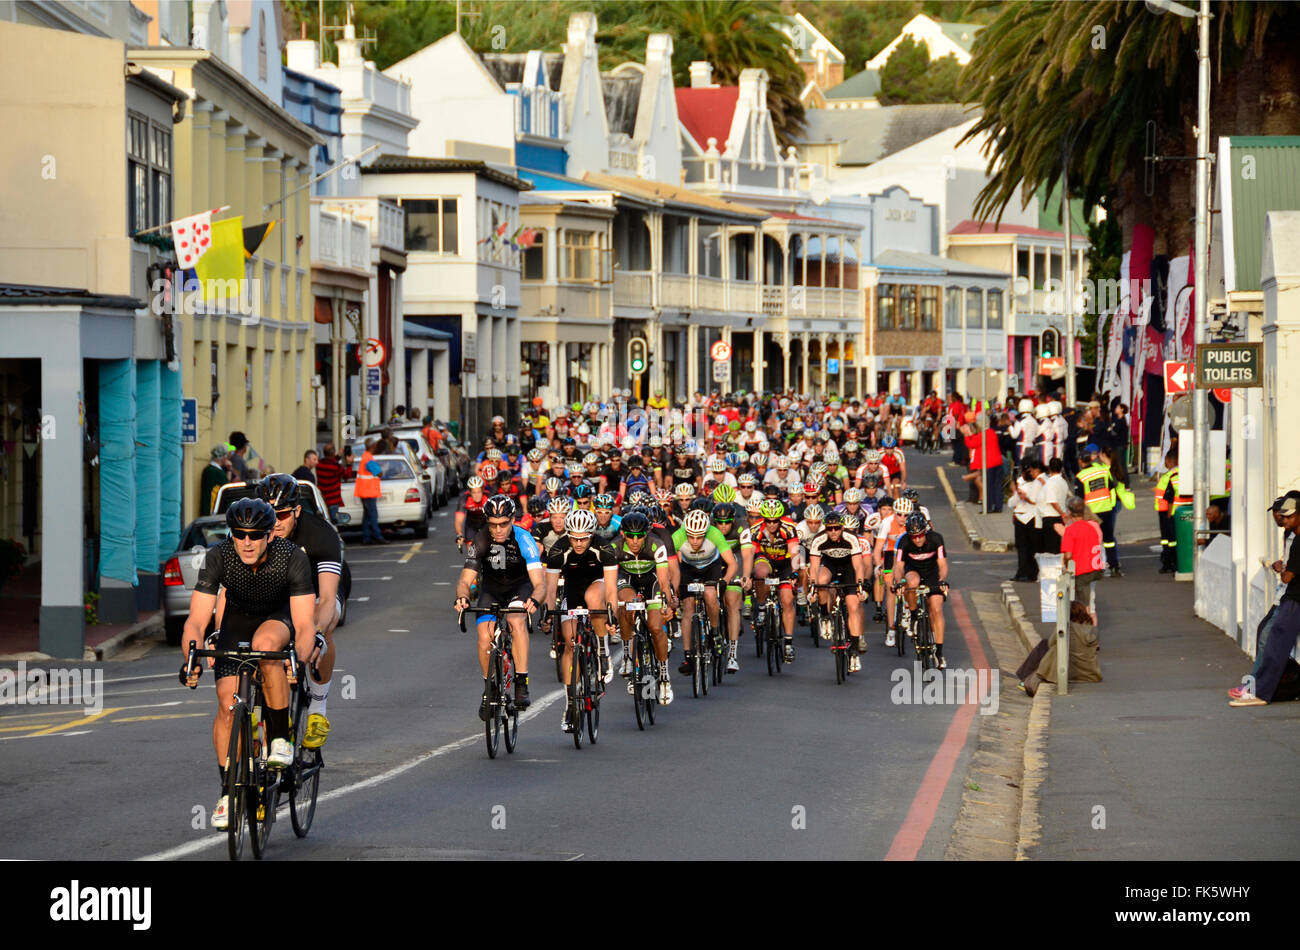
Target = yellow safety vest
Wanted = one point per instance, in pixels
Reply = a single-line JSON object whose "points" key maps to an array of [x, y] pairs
{"points": [[1162, 486], [1179, 497], [1098, 488]]}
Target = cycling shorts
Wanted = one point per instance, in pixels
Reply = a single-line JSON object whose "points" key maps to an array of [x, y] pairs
{"points": [[706, 575], [841, 574], [645, 586], [782, 572], [889, 561], [238, 627], [929, 578], [515, 596]]}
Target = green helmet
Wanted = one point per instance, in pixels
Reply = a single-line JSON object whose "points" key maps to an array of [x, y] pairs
{"points": [[771, 509], [723, 493]]}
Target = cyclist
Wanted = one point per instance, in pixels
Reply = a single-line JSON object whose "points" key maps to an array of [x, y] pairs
{"points": [[607, 523], [269, 602], [703, 556], [469, 511], [558, 509], [506, 558], [922, 560], [644, 573], [685, 470], [682, 496], [893, 523], [583, 566], [636, 479], [320, 542], [807, 528], [777, 541], [834, 558], [541, 524], [891, 459], [726, 517]]}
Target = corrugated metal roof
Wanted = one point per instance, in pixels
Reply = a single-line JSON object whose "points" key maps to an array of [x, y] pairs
{"points": [[1262, 174], [414, 164], [863, 85]]}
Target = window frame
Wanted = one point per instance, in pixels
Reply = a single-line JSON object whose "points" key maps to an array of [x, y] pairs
{"points": [[437, 232], [538, 252], [886, 317], [978, 294], [953, 315], [993, 316], [908, 305], [569, 256], [149, 156], [928, 293]]}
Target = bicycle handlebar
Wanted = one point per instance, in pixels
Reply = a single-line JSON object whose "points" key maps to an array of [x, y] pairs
{"points": [[243, 656], [487, 610]]}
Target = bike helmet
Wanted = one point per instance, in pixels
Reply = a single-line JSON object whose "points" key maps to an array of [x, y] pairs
{"points": [[580, 522], [794, 487], [889, 442], [279, 490], [489, 473], [814, 512], [831, 457], [851, 447], [640, 497], [750, 425], [904, 507], [558, 505], [656, 441], [916, 523], [742, 458], [664, 496], [604, 500], [834, 519], [474, 482], [747, 478], [582, 492], [771, 509], [852, 495], [536, 506], [754, 504], [724, 493], [552, 485], [499, 506], [724, 513], [250, 514], [591, 458], [912, 495], [759, 459], [872, 521], [780, 462], [635, 524], [817, 468], [734, 425], [771, 491], [696, 523], [851, 522], [684, 490], [493, 455], [535, 455], [871, 481], [703, 503], [837, 423], [717, 466]]}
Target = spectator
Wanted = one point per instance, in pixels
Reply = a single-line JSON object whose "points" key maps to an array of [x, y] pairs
{"points": [[398, 416], [986, 462], [367, 491], [1052, 503], [1081, 547], [1285, 624], [1266, 625], [307, 470], [329, 478], [215, 474], [1040, 667], [1217, 514], [1025, 519], [431, 433], [239, 456]]}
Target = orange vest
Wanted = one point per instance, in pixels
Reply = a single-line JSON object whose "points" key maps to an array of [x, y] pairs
{"points": [[367, 485]]}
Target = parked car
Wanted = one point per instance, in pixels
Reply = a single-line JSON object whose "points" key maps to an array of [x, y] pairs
{"points": [[461, 459], [413, 436], [424, 477], [402, 500], [181, 569]]}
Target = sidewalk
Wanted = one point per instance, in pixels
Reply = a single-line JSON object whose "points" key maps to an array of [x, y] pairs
{"points": [[20, 614], [1152, 763], [994, 532]]}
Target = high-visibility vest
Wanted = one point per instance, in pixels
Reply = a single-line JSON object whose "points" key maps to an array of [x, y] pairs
{"points": [[1179, 497], [1162, 486], [367, 485], [1098, 488]]}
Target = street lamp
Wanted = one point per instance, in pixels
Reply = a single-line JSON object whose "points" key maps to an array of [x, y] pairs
{"points": [[1200, 420]]}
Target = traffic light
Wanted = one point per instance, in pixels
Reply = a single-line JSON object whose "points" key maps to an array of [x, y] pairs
{"points": [[636, 355], [1049, 343]]}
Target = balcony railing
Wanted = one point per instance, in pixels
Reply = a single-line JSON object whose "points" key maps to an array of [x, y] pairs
{"points": [[325, 237], [632, 288], [359, 251], [710, 293], [392, 229], [773, 300], [675, 290]]}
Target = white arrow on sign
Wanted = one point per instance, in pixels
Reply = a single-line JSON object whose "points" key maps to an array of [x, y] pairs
{"points": [[1179, 377]]}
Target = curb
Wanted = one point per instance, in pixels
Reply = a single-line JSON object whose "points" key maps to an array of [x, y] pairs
{"points": [[145, 629], [968, 526], [1040, 718]]}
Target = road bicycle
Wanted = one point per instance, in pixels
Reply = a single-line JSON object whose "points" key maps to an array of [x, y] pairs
{"points": [[644, 681], [586, 684], [922, 630], [902, 632], [837, 618], [701, 641], [503, 715], [720, 645], [252, 788]]}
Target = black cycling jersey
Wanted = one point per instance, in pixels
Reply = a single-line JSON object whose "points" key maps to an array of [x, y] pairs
{"points": [[688, 474], [320, 542], [837, 553], [503, 564], [550, 537], [579, 571], [922, 558], [643, 562], [664, 535], [284, 572], [614, 479]]}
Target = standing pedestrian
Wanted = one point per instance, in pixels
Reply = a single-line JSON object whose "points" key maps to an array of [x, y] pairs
{"points": [[1165, 490], [367, 491], [1097, 486], [1025, 519], [1081, 545], [215, 474], [239, 456], [329, 478], [1052, 503], [1286, 621], [307, 470]]}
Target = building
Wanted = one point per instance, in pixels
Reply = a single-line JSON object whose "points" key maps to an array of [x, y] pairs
{"points": [[90, 366], [820, 59], [939, 37], [837, 142], [859, 91]]}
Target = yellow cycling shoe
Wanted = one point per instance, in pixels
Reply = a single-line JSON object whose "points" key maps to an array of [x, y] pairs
{"points": [[318, 727]]}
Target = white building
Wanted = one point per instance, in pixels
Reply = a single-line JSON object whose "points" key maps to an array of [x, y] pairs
{"points": [[939, 37]]}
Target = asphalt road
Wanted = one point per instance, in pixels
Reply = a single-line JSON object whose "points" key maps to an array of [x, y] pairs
{"points": [[787, 767]]}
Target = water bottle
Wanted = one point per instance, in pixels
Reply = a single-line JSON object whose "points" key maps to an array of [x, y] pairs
{"points": [[257, 731]]}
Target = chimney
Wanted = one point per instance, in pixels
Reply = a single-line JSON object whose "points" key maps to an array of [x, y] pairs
{"points": [[659, 49], [303, 55], [702, 75], [349, 47]]}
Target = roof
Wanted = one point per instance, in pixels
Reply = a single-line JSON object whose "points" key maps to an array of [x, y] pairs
{"points": [[963, 34], [804, 52], [930, 263], [791, 216], [546, 181], [152, 80], [643, 188], [509, 68], [622, 97], [868, 135], [1275, 186], [863, 85], [414, 164], [977, 227], [424, 333], [21, 295], [706, 113]]}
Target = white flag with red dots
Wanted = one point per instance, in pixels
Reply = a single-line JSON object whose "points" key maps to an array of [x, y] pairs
{"points": [[192, 237]]}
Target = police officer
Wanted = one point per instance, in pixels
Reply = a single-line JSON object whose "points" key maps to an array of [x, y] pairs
{"points": [[1025, 431], [1097, 486], [1166, 490]]}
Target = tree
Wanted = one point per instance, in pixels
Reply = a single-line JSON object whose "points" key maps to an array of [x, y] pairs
{"points": [[1103, 257], [910, 76]]}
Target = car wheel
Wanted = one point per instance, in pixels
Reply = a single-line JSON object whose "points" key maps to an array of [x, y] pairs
{"points": [[174, 627], [343, 615], [421, 529]]}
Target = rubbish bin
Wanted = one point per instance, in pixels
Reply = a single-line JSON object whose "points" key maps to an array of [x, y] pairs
{"points": [[1049, 572], [1185, 535]]}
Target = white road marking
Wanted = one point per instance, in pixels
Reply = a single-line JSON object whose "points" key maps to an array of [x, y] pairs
{"points": [[214, 840], [387, 577], [360, 600], [127, 679], [395, 630]]}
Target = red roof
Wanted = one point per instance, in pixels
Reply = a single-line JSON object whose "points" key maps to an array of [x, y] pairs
{"points": [[707, 113], [976, 227]]}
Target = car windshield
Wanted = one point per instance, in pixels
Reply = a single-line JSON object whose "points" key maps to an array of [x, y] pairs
{"points": [[394, 468], [231, 495], [207, 534]]}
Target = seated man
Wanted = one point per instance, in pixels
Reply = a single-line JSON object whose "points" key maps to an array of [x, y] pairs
{"points": [[1286, 622]]}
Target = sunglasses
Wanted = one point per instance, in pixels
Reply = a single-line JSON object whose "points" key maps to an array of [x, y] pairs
{"points": [[247, 535], [634, 535], [835, 527], [499, 524], [283, 514]]}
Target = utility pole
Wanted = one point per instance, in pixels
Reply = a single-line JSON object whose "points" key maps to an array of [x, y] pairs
{"points": [[1068, 292]]}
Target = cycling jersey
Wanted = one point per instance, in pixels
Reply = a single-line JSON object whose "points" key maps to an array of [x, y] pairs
{"points": [[284, 572], [580, 571], [687, 474], [923, 558], [320, 542], [551, 537], [634, 483], [710, 550], [837, 554], [774, 543], [473, 511], [643, 563], [503, 564], [607, 534]]}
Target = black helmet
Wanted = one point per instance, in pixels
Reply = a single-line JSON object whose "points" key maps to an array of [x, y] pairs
{"points": [[771, 490], [279, 490], [724, 512], [582, 491], [916, 523], [833, 518], [702, 503], [250, 514], [635, 523], [499, 506], [912, 493], [536, 506]]}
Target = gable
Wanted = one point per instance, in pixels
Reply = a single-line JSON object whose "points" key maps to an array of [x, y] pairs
{"points": [[707, 113]]}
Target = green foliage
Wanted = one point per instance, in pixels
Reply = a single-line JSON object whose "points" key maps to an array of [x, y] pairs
{"points": [[910, 76], [1105, 250]]}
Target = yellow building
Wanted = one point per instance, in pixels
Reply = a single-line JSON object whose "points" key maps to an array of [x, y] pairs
{"points": [[250, 363]]}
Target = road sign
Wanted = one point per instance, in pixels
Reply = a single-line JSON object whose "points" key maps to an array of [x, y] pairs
{"points": [[1048, 365], [832, 367], [1178, 377], [372, 352], [721, 372], [1230, 365], [373, 374], [1223, 395], [721, 352], [189, 421], [983, 383]]}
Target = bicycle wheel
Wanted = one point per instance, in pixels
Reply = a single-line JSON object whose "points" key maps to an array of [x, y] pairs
{"points": [[237, 781], [594, 681], [760, 633], [924, 642], [576, 684], [900, 632], [775, 653], [705, 650], [838, 646], [492, 727], [651, 683], [814, 632], [509, 714], [304, 775], [697, 661], [638, 680], [720, 648]]}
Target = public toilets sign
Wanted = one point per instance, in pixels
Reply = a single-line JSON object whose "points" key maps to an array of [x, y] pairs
{"points": [[1230, 365]]}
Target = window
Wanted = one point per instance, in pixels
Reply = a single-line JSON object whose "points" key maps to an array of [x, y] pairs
{"points": [[710, 250], [907, 307], [1056, 267], [995, 309], [885, 310], [929, 308], [742, 250], [952, 308], [431, 225], [535, 258], [675, 234], [577, 255], [149, 165], [1022, 264], [974, 308], [1040, 268]]}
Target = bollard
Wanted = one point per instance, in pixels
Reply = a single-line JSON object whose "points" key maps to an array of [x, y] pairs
{"points": [[1064, 597]]}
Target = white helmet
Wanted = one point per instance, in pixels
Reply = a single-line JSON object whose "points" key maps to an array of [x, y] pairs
{"points": [[696, 522], [474, 482], [814, 512], [718, 465], [852, 495], [591, 458], [851, 446], [873, 455], [584, 429], [780, 462], [1026, 405], [851, 523], [559, 505], [684, 490], [1042, 410], [794, 487], [580, 521], [903, 507], [872, 522], [750, 425], [1055, 407], [831, 456], [720, 420], [754, 503]]}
